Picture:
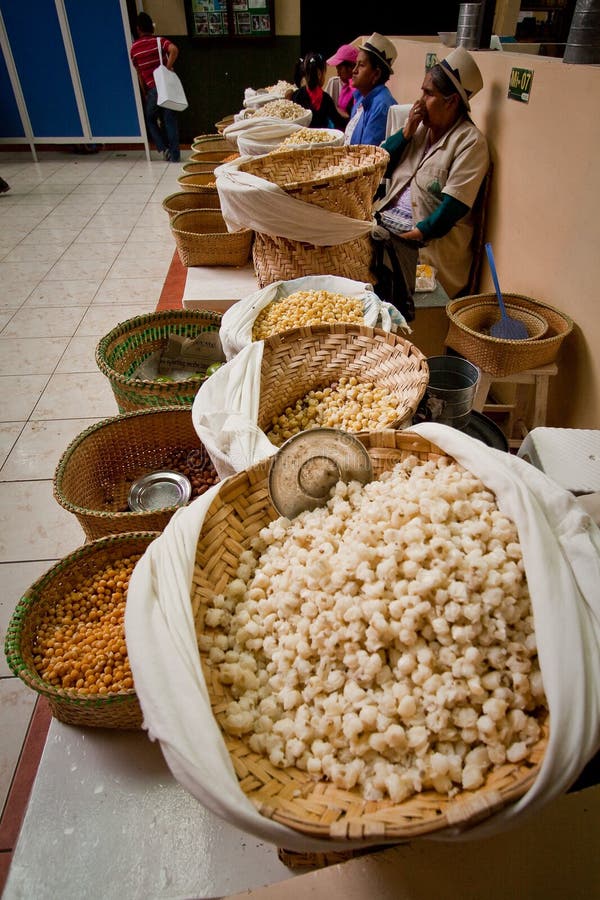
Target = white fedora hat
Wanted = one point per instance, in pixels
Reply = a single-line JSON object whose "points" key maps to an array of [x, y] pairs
{"points": [[383, 49], [463, 72]]}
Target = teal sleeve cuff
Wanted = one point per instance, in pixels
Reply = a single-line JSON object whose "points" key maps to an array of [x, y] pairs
{"points": [[443, 218], [395, 145]]}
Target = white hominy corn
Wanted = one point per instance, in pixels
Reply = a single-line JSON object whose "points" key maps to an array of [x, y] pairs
{"points": [[307, 136], [281, 109], [423, 710]]}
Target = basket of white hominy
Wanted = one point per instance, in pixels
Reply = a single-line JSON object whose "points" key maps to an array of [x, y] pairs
{"points": [[372, 664]]}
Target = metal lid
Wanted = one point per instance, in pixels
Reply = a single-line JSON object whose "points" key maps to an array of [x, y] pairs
{"points": [[310, 463], [159, 490]]}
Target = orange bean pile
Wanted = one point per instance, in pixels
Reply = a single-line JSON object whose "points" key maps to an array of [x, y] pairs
{"points": [[80, 642]]}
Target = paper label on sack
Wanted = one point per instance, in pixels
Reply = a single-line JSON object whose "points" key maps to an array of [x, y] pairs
{"points": [[192, 354]]}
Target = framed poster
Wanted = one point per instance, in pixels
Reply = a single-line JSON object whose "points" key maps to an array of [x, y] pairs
{"points": [[230, 18]]}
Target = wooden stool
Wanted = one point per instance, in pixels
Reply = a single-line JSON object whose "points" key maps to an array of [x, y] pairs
{"points": [[526, 411]]}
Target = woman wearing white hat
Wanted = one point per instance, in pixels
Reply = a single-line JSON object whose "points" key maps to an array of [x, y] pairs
{"points": [[438, 161], [373, 68]]}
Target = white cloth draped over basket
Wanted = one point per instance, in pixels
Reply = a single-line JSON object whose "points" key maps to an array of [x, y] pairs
{"points": [[248, 201], [561, 552], [236, 326]]}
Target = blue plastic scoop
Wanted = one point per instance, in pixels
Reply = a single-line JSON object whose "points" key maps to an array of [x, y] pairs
{"points": [[506, 327]]}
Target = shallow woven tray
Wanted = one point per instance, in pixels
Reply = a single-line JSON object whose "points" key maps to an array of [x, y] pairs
{"points": [[184, 200], [203, 240], [95, 473], [120, 352], [118, 710], [497, 356], [304, 359], [241, 508], [205, 167], [201, 183]]}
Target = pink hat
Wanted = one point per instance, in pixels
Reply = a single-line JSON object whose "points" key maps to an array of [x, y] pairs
{"points": [[345, 53]]}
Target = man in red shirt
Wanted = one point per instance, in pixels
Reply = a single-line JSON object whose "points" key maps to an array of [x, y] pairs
{"points": [[161, 123]]}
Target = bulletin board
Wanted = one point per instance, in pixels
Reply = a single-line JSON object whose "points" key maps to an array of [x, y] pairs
{"points": [[239, 19]]}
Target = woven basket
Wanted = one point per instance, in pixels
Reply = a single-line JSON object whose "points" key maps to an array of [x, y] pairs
{"points": [[349, 194], [290, 796], [199, 183], [214, 156], [203, 240], [117, 710], [184, 200], [200, 168], [497, 356], [96, 471], [120, 353], [304, 359], [222, 124], [204, 142]]}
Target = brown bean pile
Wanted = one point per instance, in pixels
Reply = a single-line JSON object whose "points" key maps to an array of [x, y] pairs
{"points": [[195, 465], [80, 642]]}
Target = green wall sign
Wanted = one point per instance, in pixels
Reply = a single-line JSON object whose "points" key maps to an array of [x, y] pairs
{"points": [[519, 86], [431, 60]]}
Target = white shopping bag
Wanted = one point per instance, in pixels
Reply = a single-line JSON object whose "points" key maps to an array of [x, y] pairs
{"points": [[169, 88]]}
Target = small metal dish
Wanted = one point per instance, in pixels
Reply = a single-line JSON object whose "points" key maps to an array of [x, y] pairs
{"points": [[159, 490]]}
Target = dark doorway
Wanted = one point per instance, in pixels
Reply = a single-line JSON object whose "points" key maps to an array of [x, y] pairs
{"points": [[341, 22]]}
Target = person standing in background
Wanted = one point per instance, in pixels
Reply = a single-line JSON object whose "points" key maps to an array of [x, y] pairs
{"points": [[161, 123], [369, 114], [339, 86], [312, 96]]}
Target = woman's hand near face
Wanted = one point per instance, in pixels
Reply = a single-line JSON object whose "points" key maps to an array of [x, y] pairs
{"points": [[415, 117]]}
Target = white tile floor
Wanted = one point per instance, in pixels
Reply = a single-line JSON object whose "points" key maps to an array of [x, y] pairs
{"points": [[84, 244]]}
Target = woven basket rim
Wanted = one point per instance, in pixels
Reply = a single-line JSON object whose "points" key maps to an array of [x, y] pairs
{"points": [[380, 155], [65, 457], [24, 607], [167, 208], [509, 781], [209, 214], [514, 308], [214, 318], [458, 304], [186, 179]]}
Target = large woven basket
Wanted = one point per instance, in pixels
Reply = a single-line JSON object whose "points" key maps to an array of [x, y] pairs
{"points": [[95, 473], [184, 200], [204, 183], [303, 175], [290, 796], [113, 710], [120, 353], [303, 359], [203, 240], [469, 317]]}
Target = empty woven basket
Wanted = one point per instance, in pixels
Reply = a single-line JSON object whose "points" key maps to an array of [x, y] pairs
{"points": [[290, 795], [203, 240], [184, 200], [470, 317]]}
